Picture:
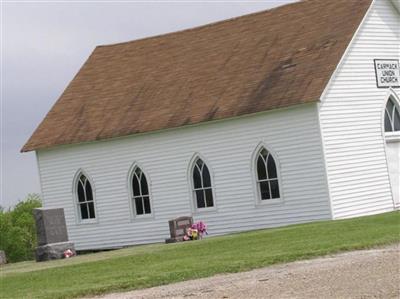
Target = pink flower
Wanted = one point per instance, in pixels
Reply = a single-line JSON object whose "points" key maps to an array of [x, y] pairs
{"points": [[201, 227], [68, 253]]}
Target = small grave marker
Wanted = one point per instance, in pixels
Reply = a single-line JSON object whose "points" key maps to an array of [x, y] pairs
{"points": [[178, 227]]}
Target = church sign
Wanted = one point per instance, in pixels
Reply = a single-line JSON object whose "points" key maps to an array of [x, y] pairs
{"points": [[387, 73]]}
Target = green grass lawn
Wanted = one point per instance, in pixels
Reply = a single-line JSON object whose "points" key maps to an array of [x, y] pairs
{"points": [[151, 265]]}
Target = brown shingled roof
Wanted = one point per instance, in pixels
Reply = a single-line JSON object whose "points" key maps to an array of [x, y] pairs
{"points": [[272, 59]]}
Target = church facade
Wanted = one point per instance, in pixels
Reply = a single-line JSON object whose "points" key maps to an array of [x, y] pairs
{"points": [[230, 123]]}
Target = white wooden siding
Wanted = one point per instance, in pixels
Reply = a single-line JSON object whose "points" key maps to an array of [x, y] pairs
{"points": [[292, 134], [351, 116]]}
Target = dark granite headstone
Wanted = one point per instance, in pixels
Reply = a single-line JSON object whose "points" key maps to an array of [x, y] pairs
{"points": [[50, 226], [52, 236], [178, 227]]}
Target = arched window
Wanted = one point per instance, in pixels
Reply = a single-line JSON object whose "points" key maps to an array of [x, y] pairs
{"points": [[267, 176], [140, 192], [85, 198], [392, 117], [202, 187]]}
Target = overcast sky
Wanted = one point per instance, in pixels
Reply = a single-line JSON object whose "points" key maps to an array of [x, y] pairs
{"points": [[45, 43]]}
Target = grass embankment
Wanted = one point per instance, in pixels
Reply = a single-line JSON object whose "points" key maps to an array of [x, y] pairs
{"points": [[151, 265]]}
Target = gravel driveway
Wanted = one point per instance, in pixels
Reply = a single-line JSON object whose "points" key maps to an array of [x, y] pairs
{"points": [[357, 274]]}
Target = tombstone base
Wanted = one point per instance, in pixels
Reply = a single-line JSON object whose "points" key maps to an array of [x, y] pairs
{"points": [[173, 240], [53, 251]]}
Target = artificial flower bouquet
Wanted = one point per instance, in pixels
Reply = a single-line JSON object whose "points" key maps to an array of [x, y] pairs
{"points": [[68, 253], [196, 231]]}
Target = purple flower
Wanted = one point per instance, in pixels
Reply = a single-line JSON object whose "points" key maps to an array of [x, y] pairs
{"points": [[201, 227]]}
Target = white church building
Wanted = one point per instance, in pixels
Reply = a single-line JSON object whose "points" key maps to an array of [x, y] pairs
{"points": [[285, 116]]}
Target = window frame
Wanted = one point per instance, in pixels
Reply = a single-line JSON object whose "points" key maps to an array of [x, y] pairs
{"points": [[256, 181], [77, 204], [391, 136], [192, 189], [132, 205]]}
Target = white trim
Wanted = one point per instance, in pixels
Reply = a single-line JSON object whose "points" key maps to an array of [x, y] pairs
{"points": [[40, 179], [193, 202], [78, 218], [133, 215], [391, 93], [254, 156], [391, 136], [346, 52], [324, 161], [390, 96]]}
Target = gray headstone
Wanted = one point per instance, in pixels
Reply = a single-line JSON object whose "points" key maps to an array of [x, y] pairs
{"points": [[3, 259], [178, 227], [53, 251], [50, 226]]}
